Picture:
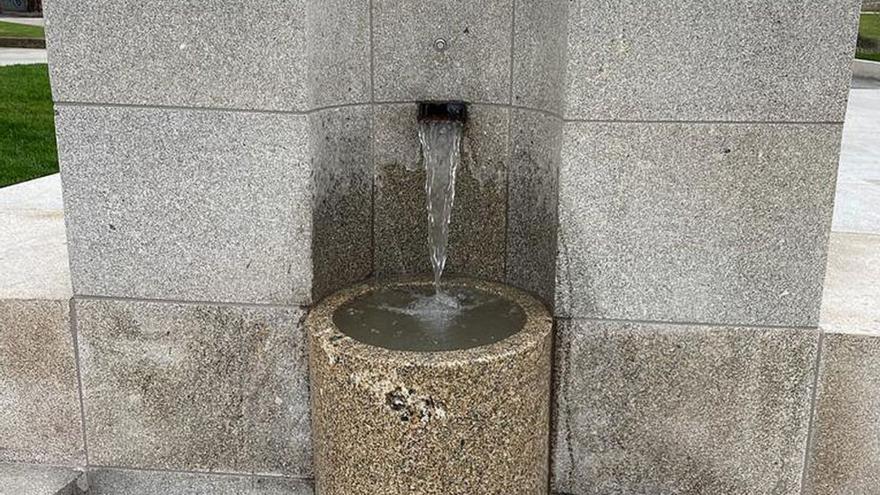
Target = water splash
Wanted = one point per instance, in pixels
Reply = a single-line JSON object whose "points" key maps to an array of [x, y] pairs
{"points": [[441, 148]]}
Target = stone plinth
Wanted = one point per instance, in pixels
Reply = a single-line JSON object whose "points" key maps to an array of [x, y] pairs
{"points": [[470, 421]]}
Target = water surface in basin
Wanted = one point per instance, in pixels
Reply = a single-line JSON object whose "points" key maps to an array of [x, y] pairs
{"points": [[415, 318]]}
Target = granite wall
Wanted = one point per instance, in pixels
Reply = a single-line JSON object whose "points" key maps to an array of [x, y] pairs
{"points": [[661, 174]]}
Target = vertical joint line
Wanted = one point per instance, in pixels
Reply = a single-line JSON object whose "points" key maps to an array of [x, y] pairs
{"points": [[74, 330], [810, 444], [372, 54], [372, 144], [506, 249]]}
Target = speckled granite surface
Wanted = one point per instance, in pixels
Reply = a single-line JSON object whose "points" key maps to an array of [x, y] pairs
{"points": [[471, 421]]}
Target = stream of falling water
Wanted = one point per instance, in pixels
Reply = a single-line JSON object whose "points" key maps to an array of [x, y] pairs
{"points": [[441, 148]]}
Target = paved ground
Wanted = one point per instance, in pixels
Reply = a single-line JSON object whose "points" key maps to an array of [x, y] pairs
{"points": [[862, 83], [15, 56], [852, 281], [33, 245], [857, 205], [30, 21]]}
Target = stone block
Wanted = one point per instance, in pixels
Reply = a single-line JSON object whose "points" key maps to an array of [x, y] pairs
{"points": [[195, 387], [845, 456], [477, 231], [710, 223], [129, 482], [532, 191], [187, 204], [662, 408], [40, 417], [223, 54], [539, 54], [339, 52], [749, 60], [32, 479], [474, 66], [342, 243]]}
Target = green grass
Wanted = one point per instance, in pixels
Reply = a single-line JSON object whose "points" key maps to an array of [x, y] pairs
{"points": [[13, 30], [27, 124], [868, 56], [869, 26], [869, 37]]}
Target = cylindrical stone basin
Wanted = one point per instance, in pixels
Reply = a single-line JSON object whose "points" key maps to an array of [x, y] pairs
{"points": [[465, 421]]}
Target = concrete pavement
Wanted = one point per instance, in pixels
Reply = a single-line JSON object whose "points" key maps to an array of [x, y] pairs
{"points": [[857, 203], [17, 56], [28, 21]]}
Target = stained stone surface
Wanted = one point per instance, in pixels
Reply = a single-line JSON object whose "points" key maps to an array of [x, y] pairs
{"points": [[477, 231], [163, 53], [532, 191], [723, 223], [130, 482], [539, 54], [194, 387], [343, 207], [471, 421], [187, 204], [749, 60], [40, 418], [661, 408], [845, 459], [32, 479], [475, 66]]}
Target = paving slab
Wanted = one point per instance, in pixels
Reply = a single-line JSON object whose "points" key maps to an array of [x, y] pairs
{"points": [[857, 201], [21, 56], [27, 21], [33, 245]]}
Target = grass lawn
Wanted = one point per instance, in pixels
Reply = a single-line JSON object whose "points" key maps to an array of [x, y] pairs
{"points": [[869, 28], [869, 25], [12, 30], [27, 124]]}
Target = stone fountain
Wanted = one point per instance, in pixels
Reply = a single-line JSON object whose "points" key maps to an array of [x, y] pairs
{"points": [[657, 176]]}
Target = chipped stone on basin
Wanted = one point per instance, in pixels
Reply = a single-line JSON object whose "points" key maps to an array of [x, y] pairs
{"points": [[462, 421]]}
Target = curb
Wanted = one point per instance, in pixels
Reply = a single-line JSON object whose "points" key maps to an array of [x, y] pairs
{"points": [[866, 68], [22, 42]]}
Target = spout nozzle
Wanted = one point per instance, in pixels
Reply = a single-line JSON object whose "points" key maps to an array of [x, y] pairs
{"points": [[452, 111]]}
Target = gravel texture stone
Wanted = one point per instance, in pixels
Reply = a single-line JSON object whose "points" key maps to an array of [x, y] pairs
{"points": [[660, 408], [40, 418], [129, 482], [339, 52], [540, 54], [470, 421], [194, 387], [477, 231], [32, 479], [474, 66], [845, 458], [342, 244], [749, 60], [222, 55], [187, 204], [713, 223], [532, 191]]}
